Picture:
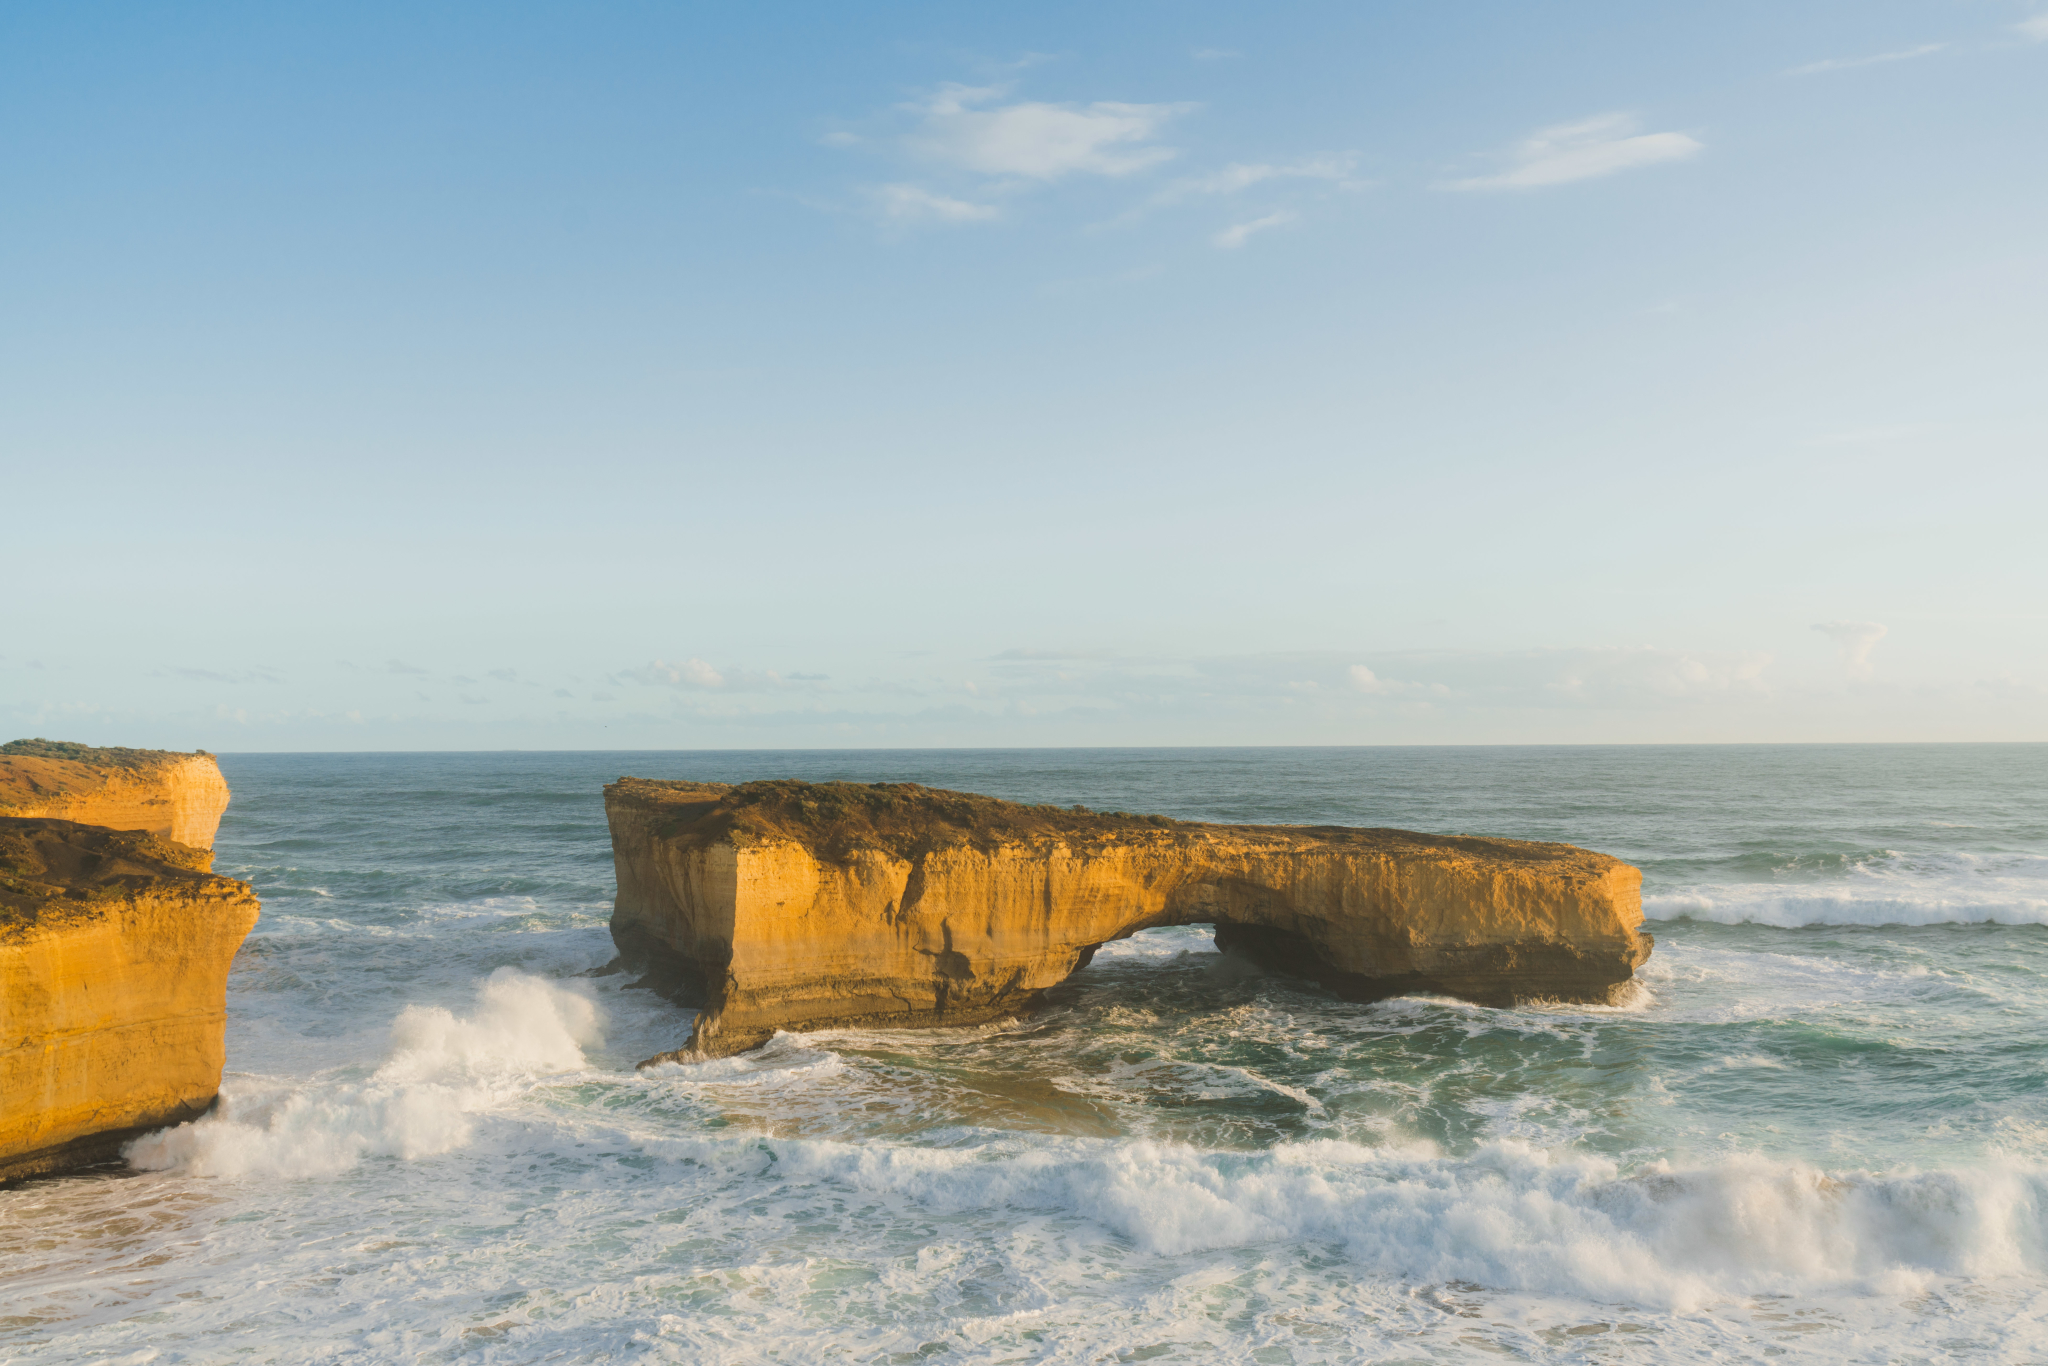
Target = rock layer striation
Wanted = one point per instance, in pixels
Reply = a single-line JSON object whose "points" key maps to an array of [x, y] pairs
{"points": [[787, 905], [114, 954], [177, 796]]}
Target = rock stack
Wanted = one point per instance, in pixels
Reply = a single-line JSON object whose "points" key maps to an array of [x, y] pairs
{"points": [[788, 905], [115, 941]]}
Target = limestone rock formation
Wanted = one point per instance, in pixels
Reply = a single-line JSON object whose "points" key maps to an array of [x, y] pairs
{"points": [[787, 905], [178, 796], [114, 953]]}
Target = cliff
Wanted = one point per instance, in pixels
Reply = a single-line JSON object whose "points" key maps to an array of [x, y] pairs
{"points": [[786, 905], [177, 796], [114, 953]]}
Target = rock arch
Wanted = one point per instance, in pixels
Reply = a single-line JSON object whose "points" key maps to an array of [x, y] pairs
{"points": [[787, 905]]}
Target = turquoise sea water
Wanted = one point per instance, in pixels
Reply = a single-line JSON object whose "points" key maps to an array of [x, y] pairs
{"points": [[1818, 1133]]}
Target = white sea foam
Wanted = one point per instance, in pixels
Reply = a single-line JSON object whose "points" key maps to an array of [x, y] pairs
{"points": [[441, 1069], [1509, 1217], [483, 908], [1517, 1215], [784, 1059], [1887, 889]]}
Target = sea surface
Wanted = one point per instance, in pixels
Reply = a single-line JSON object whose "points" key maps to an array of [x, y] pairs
{"points": [[1819, 1131]]}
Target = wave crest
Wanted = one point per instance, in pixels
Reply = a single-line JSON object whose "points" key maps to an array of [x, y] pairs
{"points": [[1888, 888], [440, 1069], [1509, 1217]]}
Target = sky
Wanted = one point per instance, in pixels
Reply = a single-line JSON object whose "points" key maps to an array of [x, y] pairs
{"points": [[663, 375]]}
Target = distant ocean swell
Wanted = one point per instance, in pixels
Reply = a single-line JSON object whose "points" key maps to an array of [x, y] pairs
{"points": [[1885, 888], [1507, 1216]]}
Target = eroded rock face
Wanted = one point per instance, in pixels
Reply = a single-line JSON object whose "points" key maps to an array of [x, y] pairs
{"points": [[114, 954], [786, 905], [177, 796]]}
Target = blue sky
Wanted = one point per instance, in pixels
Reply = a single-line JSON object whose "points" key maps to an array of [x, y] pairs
{"points": [[664, 375]]}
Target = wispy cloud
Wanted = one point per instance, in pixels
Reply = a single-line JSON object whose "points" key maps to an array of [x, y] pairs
{"points": [[1038, 656], [990, 147], [1593, 147], [1855, 639], [1240, 176], [1646, 675], [1633, 676], [964, 126], [1361, 679], [2035, 28], [213, 676], [915, 204], [1238, 234], [980, 149], [695, 675], [691, 673], [1844, 63]]}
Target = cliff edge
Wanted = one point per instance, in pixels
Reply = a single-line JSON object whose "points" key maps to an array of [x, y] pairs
{"points": [[114, 953], [177, 796], [788, 905]]}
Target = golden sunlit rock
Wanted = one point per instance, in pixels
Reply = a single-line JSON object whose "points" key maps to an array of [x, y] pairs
{"points": [[114, 954], [178, 796], [800, 906]]}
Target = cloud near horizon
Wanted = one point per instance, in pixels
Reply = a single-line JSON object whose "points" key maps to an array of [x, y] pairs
{"points": [[695, 675], [1576, 676], [1855, 639], [1634, 677], [1586, 150], [1365, 680]]}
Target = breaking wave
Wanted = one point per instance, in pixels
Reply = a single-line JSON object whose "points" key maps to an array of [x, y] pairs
{"points": [[1509, 1217], [439, 1071]]}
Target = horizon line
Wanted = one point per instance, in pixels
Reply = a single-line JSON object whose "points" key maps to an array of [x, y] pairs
{"points": [[1026, 749]]}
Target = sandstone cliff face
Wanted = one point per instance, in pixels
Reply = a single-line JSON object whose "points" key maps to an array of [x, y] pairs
{"points": [[177, 796], [114, 953], [783, 905]]}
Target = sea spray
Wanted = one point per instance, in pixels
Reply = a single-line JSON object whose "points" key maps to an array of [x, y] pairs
{"points": [[440, 1071]]}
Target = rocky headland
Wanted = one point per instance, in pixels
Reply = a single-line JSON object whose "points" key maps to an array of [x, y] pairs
{"points": [[177, 796], [114, 950], [801, 906]]}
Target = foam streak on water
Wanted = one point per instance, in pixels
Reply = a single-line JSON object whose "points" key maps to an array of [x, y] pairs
{"points": [[1816, 1132]]}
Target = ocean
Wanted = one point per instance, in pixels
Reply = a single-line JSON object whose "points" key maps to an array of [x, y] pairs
{"points": [[1816, 1132]]}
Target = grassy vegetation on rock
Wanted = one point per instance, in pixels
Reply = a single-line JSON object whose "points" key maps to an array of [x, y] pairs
{"points": [[112, 756]]}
